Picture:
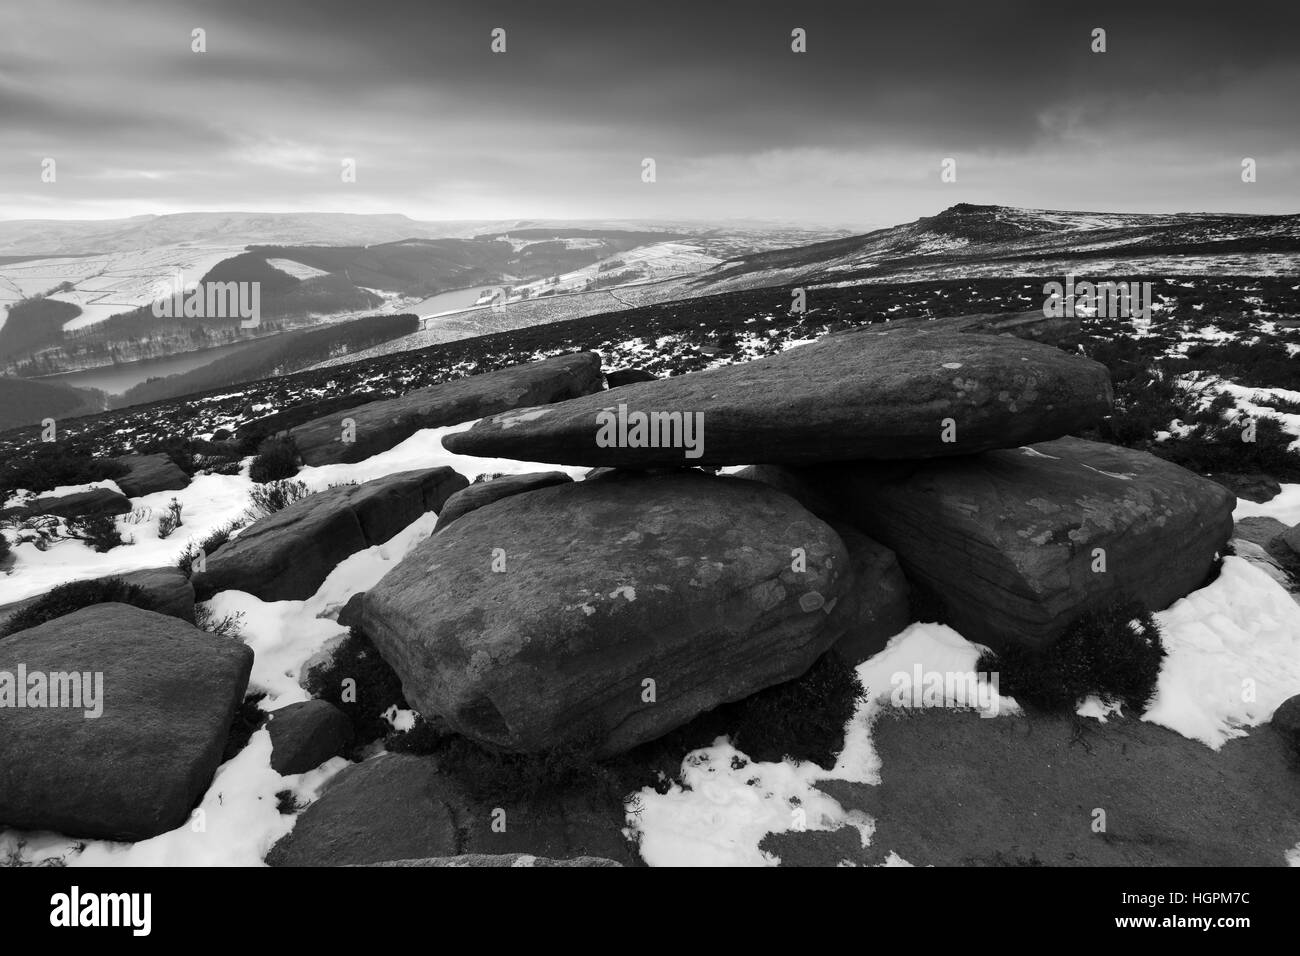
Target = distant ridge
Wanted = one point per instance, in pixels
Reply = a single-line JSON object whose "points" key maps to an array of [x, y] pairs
{"points": [[969, 240]]}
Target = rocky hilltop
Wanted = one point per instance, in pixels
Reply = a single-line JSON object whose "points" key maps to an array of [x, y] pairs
{"points": [[874, 478]]}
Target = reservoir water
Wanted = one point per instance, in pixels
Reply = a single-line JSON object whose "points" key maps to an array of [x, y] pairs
{"points": [[116, 379], [448, 301]]}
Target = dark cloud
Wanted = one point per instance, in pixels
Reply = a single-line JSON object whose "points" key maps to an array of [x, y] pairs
{"points": [[852, 130]]}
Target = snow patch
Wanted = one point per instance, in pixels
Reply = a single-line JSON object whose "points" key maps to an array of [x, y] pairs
{"points": [[1233, 656]]}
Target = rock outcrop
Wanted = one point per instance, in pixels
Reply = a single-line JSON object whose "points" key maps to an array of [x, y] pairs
{"points": [[401, 807], [381, 425], [1263, 542], [166, 693], [1263, 531], [288, 555], [864, 394], [306, 734], [1061, 331], [1291, 539], [877, 605], [1254, 487], [1286, 721], [485, 492], [608, 612], [149, 473], [169, 589], [628, 376], [1015, 545], [81, 504]]}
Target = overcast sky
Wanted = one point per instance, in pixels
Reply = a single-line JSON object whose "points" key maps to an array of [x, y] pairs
{"points": [[851, 132]]}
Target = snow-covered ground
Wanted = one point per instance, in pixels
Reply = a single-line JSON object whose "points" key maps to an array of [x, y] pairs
{"points": [[656, 261], [240, 819], [725, 803], [213, 501], [1233, 656], [1285, 507], [1250, 402], [296, 269], [106, 285]]}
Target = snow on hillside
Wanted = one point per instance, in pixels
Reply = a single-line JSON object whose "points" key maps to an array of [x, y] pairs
{"points": [[967, 241], [75, 237], [645, 263], [296, 269], [106, 285]]}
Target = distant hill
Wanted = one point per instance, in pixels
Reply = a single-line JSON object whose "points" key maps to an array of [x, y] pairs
{"points": [[28, 402], [968, 241], [72, 312], [52, 237], [30, 238], [428, 266], [34, 323]]}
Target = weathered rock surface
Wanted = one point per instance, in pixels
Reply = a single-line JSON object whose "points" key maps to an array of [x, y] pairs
{"points": [[1291, 539], [1063, 332], [288, 555], [959, 790], [400, 807], [306, 734], [1007, 541], [1263, 531], [1286, 721], [627, 376], [81, 504], [795, 482], [1262, 541], [382, 425], [1255, 487], [150, 473], [599, 586], [169, 692], [256, 430], [1264, 560], [485, 492], [877, 604], [864, 394], [169, 589]]}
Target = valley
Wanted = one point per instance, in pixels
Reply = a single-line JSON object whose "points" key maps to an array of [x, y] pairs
{"points": [[85, 308]]}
